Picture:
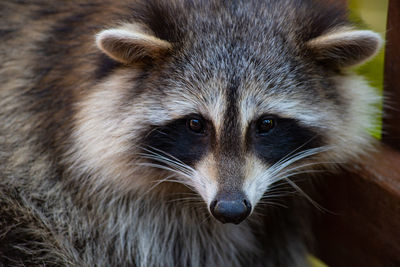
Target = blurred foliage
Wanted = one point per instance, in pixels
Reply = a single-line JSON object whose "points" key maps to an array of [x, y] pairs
{"points": [[314, 262], [372, 14]]}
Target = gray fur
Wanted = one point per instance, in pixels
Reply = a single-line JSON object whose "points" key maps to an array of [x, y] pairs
{"points": [[77, 186]]}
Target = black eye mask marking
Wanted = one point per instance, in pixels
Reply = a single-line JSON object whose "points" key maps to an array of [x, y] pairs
{"points": [[286, 136], [190, 138], [187, 139]]}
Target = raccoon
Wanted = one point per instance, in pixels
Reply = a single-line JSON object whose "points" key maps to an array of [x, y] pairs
{"points": [[173, 133]]}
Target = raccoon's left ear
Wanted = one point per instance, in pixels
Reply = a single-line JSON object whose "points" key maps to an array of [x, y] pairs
{"points": [[346, 47], [131, 43]]}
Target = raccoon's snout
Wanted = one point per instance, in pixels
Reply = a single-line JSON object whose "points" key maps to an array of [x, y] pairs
{"points": [[231, 208]]}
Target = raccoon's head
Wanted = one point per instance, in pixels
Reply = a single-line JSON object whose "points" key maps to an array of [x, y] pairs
{"points": [[230, 102]]}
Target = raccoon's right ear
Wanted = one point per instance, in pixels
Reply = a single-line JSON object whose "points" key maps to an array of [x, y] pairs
{"points": [[131, 44], [345, 47]]}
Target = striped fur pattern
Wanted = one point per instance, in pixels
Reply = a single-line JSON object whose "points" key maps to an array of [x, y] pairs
{"points": [[122, 121]]}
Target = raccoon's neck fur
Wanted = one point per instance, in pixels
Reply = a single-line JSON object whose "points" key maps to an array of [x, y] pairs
{"points": [[133, 230], [153, 230], [150, 230]]}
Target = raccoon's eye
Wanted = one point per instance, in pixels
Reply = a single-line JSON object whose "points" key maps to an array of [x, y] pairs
{"points": [[196, 125], [264, 125]]}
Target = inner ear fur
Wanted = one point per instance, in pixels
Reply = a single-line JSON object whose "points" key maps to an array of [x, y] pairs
{"points": [[131, 43], [345, 47]]}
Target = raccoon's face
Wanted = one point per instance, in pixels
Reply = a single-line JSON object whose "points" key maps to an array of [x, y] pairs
{"points": [[229, 138], [225, 118]]}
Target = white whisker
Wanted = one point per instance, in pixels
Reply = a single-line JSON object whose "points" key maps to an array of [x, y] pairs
{"points": [[318, 206], [293, 151], [272, 203], [290, 174], [148, 164], [168, 162], [296, 157], [281, 171]]}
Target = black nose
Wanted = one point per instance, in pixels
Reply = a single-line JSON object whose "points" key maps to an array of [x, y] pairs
{"points": [[231, 210]]}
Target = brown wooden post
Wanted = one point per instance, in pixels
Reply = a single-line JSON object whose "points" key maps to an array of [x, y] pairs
{"points": [[362, 227], [391, 122]]}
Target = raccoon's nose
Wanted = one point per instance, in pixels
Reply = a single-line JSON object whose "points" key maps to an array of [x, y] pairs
{"points": [[232, 209]]}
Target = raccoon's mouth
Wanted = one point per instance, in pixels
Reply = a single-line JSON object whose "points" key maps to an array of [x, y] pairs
{"points": [[230, 207]]}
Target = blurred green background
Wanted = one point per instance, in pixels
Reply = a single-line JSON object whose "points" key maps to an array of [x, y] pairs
{"points": [[372, 14]]}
